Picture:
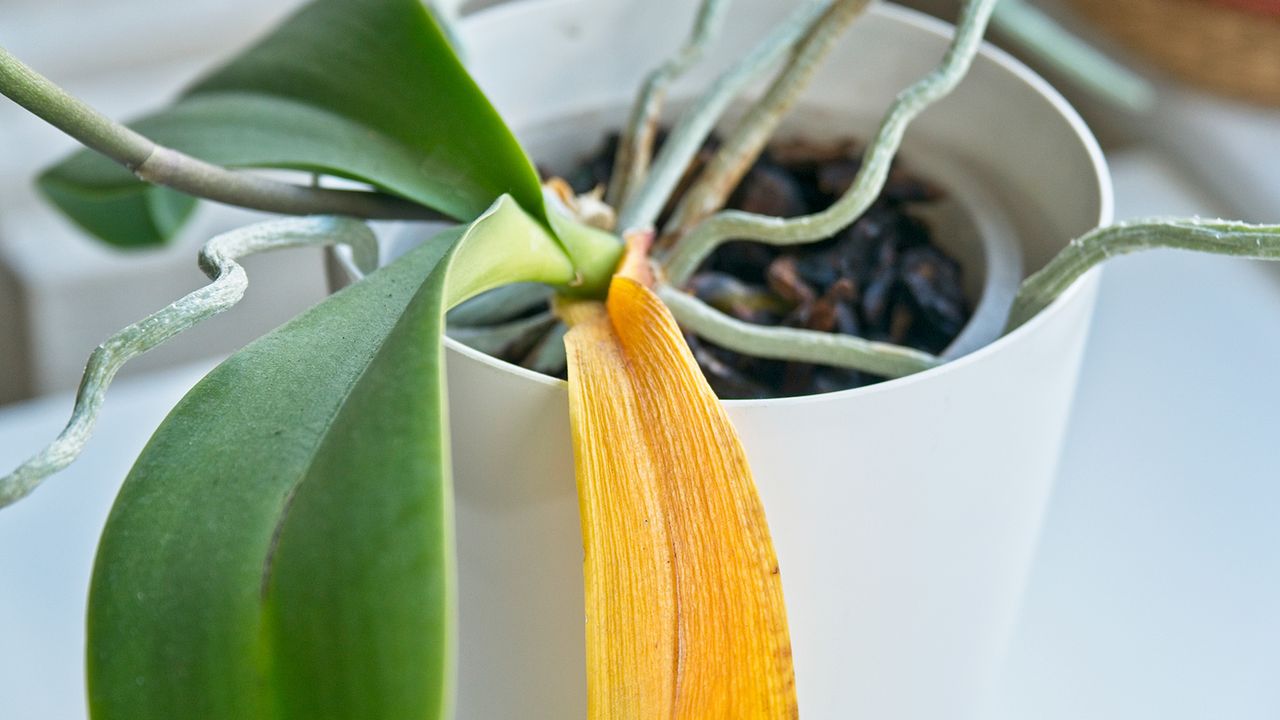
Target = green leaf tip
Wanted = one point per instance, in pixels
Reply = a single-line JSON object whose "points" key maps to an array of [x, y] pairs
{"points": [[178, 622]]}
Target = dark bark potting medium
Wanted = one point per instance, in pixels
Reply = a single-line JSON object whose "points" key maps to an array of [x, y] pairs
{"points": [[882, 278]]}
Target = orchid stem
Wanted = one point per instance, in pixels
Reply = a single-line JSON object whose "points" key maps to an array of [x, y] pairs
{"points": [[693, 248], [160, 165], [1220, 237], [219, 260], [781, 343], [635, 147], [697, 122], [736, 156]]}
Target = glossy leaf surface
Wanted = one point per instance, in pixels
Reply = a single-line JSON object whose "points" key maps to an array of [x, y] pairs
{"points": [[364, 89], [283, 546]]}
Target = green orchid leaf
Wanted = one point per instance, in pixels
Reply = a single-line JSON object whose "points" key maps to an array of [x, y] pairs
{"points": [[368, 90], [283, 547], [124, 212]]}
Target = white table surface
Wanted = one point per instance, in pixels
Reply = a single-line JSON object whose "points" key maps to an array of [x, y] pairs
{"points": [[1155, 591]]}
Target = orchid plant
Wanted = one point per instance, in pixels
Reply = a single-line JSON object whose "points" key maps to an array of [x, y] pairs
{"points": [[283, 547]]}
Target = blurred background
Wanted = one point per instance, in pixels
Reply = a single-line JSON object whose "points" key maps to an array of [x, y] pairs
{"points": [[61, 294], [1156, 588]]}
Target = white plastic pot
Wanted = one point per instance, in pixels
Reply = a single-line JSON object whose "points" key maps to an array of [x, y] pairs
{"points": [[904, 514]]}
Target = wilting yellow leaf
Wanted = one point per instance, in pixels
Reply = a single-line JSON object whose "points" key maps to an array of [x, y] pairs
{"points": [[630, 596], [685, 617]]}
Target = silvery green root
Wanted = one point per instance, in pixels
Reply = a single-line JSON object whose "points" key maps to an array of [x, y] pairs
{"points": [[1219, 237], [784, 343], [1214, 236], [219, 259], [692, 249], [806, 345], [636, 144], [646, 201], [748, 138]]}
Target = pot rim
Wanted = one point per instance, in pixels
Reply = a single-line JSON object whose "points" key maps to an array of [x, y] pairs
{"points": [[941, 29]]}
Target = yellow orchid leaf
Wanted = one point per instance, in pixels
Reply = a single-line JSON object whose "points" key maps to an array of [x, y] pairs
{"points": [[685, 617], [630, 596]]}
